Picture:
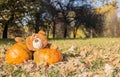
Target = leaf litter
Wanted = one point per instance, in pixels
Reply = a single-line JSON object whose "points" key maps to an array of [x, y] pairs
{"points": [[83, 59]]}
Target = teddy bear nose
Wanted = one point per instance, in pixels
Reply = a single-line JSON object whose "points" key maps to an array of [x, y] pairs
{"points": [[36, 40]]}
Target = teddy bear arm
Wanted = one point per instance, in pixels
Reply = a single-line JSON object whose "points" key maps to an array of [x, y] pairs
{"points": [[53, 46], [19, 39]]}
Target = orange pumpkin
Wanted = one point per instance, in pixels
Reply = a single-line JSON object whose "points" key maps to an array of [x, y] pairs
{"points": [[49, 56], [17, 54]]}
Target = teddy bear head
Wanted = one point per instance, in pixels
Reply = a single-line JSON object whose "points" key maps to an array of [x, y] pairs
{"points": [[35, 41]]}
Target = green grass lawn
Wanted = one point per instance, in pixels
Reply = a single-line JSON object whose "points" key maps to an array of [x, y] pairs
{"points": [[81, 57]]}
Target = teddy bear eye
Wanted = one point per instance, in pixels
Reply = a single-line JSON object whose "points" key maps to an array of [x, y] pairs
{"points": [[35, 37]]}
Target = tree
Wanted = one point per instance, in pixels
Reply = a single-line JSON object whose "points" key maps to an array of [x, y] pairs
{"points": [[43, 14], [22, 12], [9, 12], [109, 13]]}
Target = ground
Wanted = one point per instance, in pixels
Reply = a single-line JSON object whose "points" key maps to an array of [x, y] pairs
{"points": [[97, 57]]}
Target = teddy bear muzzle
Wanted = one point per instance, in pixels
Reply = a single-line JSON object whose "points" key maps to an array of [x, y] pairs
{"points": [[37, 43]]}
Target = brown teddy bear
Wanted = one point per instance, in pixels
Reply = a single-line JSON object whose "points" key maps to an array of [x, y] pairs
{"points": [[36, 41]]}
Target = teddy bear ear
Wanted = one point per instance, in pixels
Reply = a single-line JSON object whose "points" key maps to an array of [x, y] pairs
{"points": [[19, 39], [41, 32]]}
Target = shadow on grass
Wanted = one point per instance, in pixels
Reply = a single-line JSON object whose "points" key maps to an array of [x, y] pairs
{"points": [[7, 41], [68, 38], [96, 38], [67, 55]]}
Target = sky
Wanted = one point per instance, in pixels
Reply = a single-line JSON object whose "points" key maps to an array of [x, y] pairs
{"points": [[118, 8]]}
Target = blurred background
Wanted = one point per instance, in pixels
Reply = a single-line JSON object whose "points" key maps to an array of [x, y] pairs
{"points": [[60, 18]]}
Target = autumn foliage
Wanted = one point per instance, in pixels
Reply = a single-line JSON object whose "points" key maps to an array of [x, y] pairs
{"points": [[88, 57]]}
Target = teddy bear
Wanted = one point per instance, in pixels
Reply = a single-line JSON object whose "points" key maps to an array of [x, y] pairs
{"points": [[36, 41], [37, 44]]}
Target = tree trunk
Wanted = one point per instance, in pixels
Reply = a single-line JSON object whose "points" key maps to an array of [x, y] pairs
{"points": [[5, 31], [47, 31], [65, 31], [36, 28], [37, 22], [74, 33], [115, 30], [54, 28], [91, 33]]}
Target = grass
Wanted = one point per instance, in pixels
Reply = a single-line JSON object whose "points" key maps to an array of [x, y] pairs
{"points": [[6, 42], [81, 57]]}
